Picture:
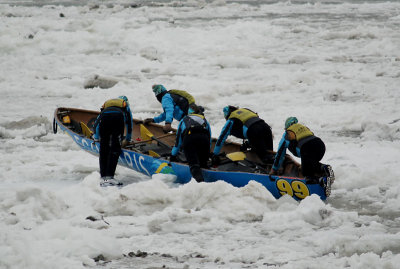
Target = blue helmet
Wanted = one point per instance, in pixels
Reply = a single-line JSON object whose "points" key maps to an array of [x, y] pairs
{"points": [[123, 97], [158, 88], [195, 109], [290, 121], [228, 110]]}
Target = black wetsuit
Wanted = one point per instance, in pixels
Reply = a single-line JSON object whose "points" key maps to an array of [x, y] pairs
{"points": [[258, 133], [310, 149], [194, 135], [260, 139], [196, 147], [111, 128], [311, 155]]}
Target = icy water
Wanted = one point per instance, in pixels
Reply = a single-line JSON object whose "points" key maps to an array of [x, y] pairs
{"points": [[333, 64]]}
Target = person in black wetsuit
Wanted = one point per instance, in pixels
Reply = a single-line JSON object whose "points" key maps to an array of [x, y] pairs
{"points": [[244, 123], [109, 128], [194, 136], [302, 143]]}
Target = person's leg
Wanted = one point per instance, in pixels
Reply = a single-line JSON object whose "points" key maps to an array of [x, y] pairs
{"points": [[104, 147], [260, 138], [203, 150], [325, 169], [311, 155], [190, 150], [117, 131], [267, 134]]}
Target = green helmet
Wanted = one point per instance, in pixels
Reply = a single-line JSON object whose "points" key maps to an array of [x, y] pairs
{"points": [[290, 121], [158, 88]]}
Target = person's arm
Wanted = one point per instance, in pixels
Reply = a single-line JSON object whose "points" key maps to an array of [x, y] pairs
{"points": [[178, 113], [178, 141], [281, 152], [209, 133], [96, 128], [168, 106], [129, 124], [226, 130]]}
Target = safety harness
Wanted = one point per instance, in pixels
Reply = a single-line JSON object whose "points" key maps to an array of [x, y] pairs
{"points": [[300, 131], [195, 123], [182, 99], [246, 116], [114, 103]]}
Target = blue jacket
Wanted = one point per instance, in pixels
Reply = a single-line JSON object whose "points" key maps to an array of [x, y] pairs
{"points": [[127, 119], [284, 144], [181, 131], [232, 127], [171, 110]]}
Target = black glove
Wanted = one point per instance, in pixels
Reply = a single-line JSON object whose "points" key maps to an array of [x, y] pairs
{"points": [[148, 120], [245, 146], [173, 158], [215, 160], [167, 127]]}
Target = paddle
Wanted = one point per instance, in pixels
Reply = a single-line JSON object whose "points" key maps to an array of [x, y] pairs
{"points": [[147, 135], [85, 130], [136, 143], [236, 156], [154, 154], [241, 156]]}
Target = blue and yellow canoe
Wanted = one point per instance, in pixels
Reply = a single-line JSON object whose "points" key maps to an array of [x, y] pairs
{"points": [[148, 155]]}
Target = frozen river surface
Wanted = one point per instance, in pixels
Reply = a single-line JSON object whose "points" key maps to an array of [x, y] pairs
{"points": [[333, 64]]}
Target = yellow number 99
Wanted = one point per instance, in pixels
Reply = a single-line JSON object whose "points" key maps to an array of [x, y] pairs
{"points": [[284, 187], [300, 189]]}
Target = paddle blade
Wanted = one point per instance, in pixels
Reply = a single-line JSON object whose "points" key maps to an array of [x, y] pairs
{"points": [[145, 133], [154, 154], [85, 130], [236, 156]]}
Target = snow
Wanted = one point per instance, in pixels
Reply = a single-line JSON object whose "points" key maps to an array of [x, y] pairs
{"points": [[333, 64]]}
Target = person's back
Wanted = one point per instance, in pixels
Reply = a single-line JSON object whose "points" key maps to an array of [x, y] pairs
{"points": [[109, 128], [302, 143], [118, 105], [194, 136], [246, 124], [175, 104], [182, 99]]}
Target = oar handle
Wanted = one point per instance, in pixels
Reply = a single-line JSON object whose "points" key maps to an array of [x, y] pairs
{"points": [[162, 143]]}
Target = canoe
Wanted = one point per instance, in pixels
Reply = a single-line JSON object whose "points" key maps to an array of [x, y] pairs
{"points": [[149, 152]]}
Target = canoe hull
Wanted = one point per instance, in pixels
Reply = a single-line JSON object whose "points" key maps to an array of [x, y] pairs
{"points": [[148, 165]]}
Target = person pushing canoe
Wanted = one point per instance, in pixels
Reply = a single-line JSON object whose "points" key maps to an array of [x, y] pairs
{"points": [[175, 104], [109, 128]]}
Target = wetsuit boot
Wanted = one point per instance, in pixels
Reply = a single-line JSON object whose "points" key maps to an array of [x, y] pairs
{"points": [[330, 178], [196, 173]]}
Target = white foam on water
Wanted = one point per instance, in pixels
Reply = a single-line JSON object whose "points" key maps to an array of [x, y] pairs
{"points": [[333, 64]]}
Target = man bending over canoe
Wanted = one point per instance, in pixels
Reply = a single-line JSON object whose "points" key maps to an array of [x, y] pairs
{"points": [[109, 128], [194, 136], [244, 123], [302, 143], [175, 104]]}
